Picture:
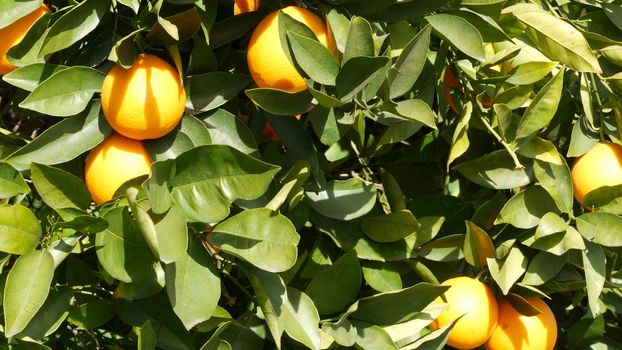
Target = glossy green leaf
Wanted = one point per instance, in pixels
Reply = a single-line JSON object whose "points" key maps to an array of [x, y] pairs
{"points": [[460, 33], [11, 182], [343, 199], [260, 236], [226, 129], [601, 228], [525, 209], [20, 230], [508, 271], [382, 277], [495, 170], [280, 102], [58, 188], [51, 314], [31, 76], [333, 288], [11, 11], [360, 41], [390, 227], [27, 287], [594, 264], [403, 75], [211, 90], [74, 25], [66, 92], [371, 337], [301, 319], [356, 74], [92, 314], [193, 286], [146, 337], [530, 72], [477, 245], [542, 267], [314, 58], [189, 133], [460, 141]]}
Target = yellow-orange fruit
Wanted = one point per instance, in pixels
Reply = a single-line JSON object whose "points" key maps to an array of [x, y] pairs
{"points": [[600, 166], [267, 62], [519, 332], [473, 299], [243, 6], [145, 101], [113, 162], [14, 33]]}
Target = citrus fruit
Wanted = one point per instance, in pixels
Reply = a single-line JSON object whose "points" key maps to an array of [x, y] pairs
{"points": [[113, 162], [243, 6], [519, 332], [267, 62], [14, 33], [145, 101], [600, 166], [451, 82], [473, 299]]}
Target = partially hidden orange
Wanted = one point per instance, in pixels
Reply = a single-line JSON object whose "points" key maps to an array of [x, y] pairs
{"points": [[113, 162], [145, 101], [267, 62], [243, 6], [600, 166], [475, 302], [13, 34], [515, 331]]}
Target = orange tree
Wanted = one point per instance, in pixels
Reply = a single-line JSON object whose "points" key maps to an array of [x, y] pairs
{"points": [[332, 231]]}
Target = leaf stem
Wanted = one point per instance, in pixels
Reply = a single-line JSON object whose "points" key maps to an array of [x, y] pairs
{"points": [[599, 103], [517, 163]]}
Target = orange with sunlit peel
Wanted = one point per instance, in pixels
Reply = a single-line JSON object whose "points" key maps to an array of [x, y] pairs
{"points": [[268, 63], [145, 101], [13, 34], [600, 166], [519, 332], [473, 299], [243, 6], [113, 162]]}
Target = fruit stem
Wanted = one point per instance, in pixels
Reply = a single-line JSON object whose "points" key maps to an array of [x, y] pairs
{"points": [[599, 103], [517, 163]]}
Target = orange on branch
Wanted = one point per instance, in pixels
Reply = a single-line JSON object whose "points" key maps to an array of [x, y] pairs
{"points": [[13, 35], [473, 299], [515, 331], [600, 166], [145, 101], [243, 6], [113, 162], [268, 63]]}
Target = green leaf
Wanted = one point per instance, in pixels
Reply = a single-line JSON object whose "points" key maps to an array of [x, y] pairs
{"points": [[543, 107], [356, 74], [543, 267], [74, 25], [495, 170], [507, 271], [92, 314], [601, 228], [555, 236], [459, 33], [371, 337], [83, 132], [559, 40], [226, 129], [382, 277], [343, 199], [189, 133], [333, 288], [530, 72], [556, 180], [301, 319], [204, 191], [477, 245], [20, 230], [260, 236], [11, 11], [193, 285], [460, 141], [26, 52], [314, 58], [121, 248], [434, 340], [211, 90], [360, 41], [66, 92], [147, 337], [30, 76], [525, 209], [50, 316], [417, 111], [404, 73], [396, 307], [540, 149], [27, 287], [58, 188], [11, 182], [280, 102], [594, 264], [390, 227]]}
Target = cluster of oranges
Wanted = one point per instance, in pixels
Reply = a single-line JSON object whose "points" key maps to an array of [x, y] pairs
{"points": [[495, 324]]}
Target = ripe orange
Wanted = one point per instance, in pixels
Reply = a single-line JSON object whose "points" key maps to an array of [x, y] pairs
{"points": [[145, 101], [266, 59], [519, 332], [14, 33], [243, 6], [113, 162], [600, 166], [474, 300], [451, 82]]}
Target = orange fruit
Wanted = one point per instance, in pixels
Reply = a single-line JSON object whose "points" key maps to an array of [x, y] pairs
{"points": [[473, 299], [113, 162], [519, 332], [600, 166], [451, 82], [243, 6], [14, 33], [268, 63], [145, 101]]}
